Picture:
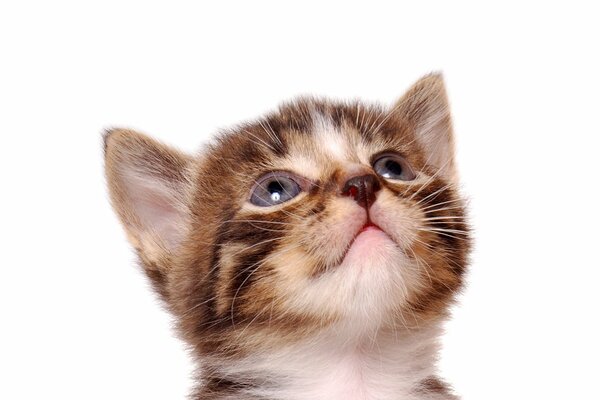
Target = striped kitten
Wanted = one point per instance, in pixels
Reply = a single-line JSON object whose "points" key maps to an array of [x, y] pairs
{"points": [[310, 254]]}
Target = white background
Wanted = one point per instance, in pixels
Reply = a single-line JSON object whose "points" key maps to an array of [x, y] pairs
{"points": [[77, 320]]}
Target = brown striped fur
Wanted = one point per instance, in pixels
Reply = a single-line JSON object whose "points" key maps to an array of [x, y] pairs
{"points": [[236, 275]]}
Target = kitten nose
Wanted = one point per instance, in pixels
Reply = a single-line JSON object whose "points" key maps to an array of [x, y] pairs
{"points": [[362, 189]]}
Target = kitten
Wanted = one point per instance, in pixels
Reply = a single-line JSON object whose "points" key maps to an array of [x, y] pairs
{"points": [[311, 254]]}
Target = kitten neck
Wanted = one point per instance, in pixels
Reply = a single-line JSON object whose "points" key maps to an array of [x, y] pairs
{"points": [[387, 365]]}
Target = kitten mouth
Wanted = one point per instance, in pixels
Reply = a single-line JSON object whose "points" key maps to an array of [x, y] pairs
{"points": [[369, 226]]}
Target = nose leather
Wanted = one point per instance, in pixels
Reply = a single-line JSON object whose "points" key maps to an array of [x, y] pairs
{"points": [[362, 189]]}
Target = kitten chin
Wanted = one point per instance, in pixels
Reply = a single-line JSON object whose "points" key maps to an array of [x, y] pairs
{"points": [[311, 254]]}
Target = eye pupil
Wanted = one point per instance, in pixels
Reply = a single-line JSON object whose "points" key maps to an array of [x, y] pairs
{"points": [[393, 167], [274, 187]]}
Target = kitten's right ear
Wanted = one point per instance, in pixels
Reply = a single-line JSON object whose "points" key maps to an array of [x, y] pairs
{"points": [[148, 184]]}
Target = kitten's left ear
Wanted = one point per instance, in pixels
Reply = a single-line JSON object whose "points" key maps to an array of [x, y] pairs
{"points": [[425, 109]]}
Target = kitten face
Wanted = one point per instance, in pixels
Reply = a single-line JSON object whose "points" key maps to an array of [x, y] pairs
{"points": [[310, 258], [319, 215]]}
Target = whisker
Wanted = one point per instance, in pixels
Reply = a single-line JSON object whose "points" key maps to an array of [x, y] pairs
{"points": [[431, 195], [457, 231], [442, 203], [260, 141], [430, 180], [447, 208], [444, 234], [259, 221], [450, 217], [270, 131]]}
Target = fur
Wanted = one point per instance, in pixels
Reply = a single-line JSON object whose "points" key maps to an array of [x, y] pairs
{"points": [[299, 300]]}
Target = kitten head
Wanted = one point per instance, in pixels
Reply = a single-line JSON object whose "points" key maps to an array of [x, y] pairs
{"points": [[321, 214]]}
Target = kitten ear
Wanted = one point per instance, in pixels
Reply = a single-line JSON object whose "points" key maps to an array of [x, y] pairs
{"points": [[425, 108], [148, 184]]}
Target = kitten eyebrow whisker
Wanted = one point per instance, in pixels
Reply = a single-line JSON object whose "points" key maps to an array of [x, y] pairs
{"points": [[372, 123], [260, 141], [270, 131], [384, 120], [362, 121]]}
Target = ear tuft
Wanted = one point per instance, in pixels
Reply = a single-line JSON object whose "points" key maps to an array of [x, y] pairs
{"points": [[148, 184], [425, 108], [105, 137]]}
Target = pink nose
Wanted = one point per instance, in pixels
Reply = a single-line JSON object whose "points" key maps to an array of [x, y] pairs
{"points": [[362, 189]]}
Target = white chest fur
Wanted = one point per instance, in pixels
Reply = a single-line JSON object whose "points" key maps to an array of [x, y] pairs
{"points": [[382, 368]]}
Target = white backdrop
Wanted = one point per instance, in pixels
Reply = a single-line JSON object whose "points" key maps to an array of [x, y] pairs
{"points": [[77, 319]]}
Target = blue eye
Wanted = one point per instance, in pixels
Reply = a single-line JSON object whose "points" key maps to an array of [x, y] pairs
{"points": [[274, 188], [393, 166]]}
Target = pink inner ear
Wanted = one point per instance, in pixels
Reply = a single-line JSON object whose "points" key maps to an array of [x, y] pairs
{"points": [[157, 208]]}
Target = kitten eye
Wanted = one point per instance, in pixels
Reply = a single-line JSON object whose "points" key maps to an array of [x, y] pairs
{"points": [[274, 188], [393, 166]]}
